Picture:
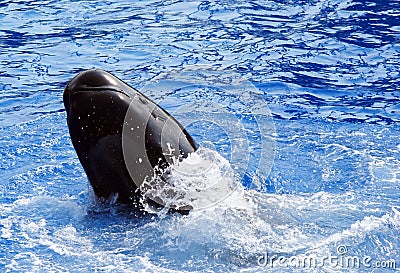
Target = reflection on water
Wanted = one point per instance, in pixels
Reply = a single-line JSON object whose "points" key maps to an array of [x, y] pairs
{"points": [[349, 49]]}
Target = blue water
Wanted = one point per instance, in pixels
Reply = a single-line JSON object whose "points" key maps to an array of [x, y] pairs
{"points": [[320, 164]]}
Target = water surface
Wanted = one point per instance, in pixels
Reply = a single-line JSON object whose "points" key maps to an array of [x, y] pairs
{"points": [[327, 70]]}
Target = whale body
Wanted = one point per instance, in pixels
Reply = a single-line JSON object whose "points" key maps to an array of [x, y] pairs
{"points": [[122, 138]]}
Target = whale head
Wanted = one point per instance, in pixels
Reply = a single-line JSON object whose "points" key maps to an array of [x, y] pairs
{"points": [[121, 137]]}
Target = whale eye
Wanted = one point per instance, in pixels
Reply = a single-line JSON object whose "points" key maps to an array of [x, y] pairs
{"points": [[142, 100], [158, 117]]}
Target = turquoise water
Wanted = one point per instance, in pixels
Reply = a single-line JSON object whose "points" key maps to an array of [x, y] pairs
{"points": [[314, 141]]}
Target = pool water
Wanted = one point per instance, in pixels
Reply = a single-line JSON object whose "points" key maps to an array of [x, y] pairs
{"points": [[299, 100]]}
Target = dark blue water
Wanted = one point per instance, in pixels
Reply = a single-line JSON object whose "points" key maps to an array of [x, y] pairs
{"points": [[314, 140]]}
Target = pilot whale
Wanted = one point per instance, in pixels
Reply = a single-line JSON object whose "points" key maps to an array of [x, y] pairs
{"points": [[122, 138]]}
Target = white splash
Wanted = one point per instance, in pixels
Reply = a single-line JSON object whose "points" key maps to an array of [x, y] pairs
{"points": [[200, 181]]}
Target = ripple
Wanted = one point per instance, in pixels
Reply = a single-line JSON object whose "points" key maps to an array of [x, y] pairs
{"points": [[328, 70]]}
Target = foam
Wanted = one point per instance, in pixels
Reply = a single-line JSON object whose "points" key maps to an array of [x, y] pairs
{"points": [[201, 180]]}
